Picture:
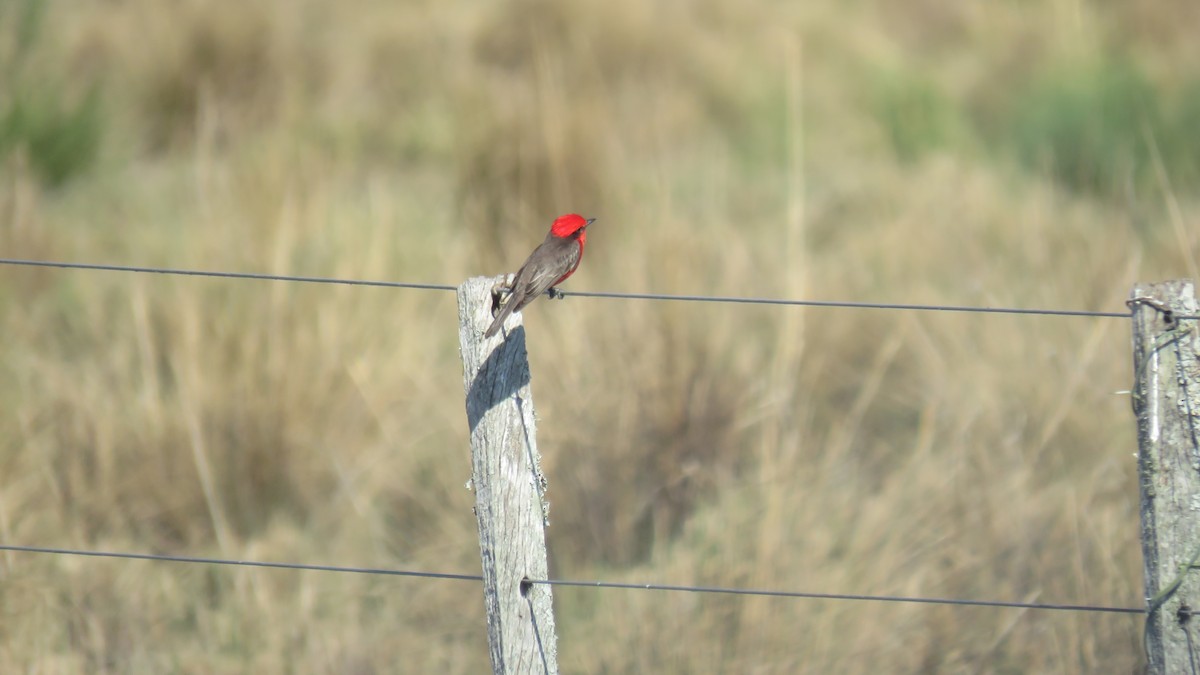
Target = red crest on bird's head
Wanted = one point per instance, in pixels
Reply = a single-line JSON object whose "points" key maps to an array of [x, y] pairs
{"points": [[565, 226]]}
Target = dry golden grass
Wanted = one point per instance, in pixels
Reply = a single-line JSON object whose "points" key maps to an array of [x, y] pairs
{"points": [[726, 149]]}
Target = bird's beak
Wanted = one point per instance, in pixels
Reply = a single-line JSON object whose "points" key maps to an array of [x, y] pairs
{"points": [[589, 222]]}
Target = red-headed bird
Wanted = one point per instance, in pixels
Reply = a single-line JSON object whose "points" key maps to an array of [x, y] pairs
{"points": [[555, 259]]}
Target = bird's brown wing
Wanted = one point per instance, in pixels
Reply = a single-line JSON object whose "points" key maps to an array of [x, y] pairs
{"points": [[549, 262]]}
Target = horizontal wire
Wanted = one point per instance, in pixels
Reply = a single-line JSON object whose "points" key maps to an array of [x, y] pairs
{"points": [[843, 596], [592, 584], [851, 305], [241, 563], [633, 296], [225, 275], [582, 294]]}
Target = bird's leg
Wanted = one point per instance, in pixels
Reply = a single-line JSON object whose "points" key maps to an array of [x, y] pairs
{"points": [[555, 294], [500, 291]]}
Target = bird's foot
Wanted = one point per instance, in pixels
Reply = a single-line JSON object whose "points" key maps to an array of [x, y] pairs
{"points": [[555, 294]]}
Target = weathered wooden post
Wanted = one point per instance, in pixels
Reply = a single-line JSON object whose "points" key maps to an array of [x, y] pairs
{"points": [[1166, 400], [509, 487]]}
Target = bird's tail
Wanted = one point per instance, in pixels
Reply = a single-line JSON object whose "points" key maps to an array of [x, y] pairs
{"points": [[500, 317]]}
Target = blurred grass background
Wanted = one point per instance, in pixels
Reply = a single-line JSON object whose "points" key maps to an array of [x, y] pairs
{"points": [[1003, 153]]}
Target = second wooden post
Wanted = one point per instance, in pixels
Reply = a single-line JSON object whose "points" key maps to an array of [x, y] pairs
{"points": [[1166, 400]]}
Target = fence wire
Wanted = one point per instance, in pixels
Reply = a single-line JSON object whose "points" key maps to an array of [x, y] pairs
{"points": [[724, 299], [564, 582], [585, 584]]}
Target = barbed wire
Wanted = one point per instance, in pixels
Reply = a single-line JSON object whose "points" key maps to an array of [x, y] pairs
{"points": [[590, 584], [582, 294]]}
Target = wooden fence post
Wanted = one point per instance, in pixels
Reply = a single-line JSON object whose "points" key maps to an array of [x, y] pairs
{"points": [[509, 486], [1166, 400]]}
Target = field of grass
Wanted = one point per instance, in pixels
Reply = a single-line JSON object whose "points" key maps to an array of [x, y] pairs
{"points": [[1005, 154]]}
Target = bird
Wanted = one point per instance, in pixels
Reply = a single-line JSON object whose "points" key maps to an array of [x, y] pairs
{"points": [[555, 259]]}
